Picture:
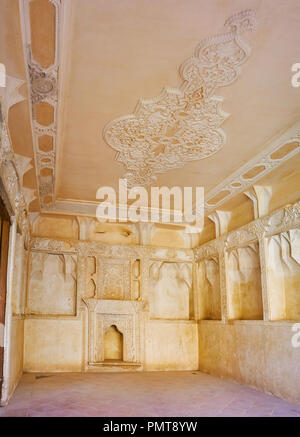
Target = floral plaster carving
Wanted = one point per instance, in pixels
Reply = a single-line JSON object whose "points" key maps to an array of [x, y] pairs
{"points": [[183, 125], [43, 88], [239, 238], [114, 279], [43, 83], [55, 246]]}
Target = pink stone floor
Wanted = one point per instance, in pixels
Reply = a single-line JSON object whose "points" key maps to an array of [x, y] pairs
{"points": [[137, 394]]}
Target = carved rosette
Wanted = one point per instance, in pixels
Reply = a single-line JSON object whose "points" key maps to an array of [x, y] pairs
{"points": [[43, 84]]}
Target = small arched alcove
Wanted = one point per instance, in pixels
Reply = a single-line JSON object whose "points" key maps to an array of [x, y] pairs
{"points": [[113, 344]]}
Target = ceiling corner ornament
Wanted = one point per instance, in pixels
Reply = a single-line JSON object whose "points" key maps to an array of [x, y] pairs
{"points": [[183, 124], [12, 169], [272, 156], [43, 88]]}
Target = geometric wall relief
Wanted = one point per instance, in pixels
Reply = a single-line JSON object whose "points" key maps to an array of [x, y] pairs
{"points": [[136, 279], [183, 124], [114, 279], [52, 284], [20, 277], [42, 59], [91, 277], [283, 270], [208, 289], [244, 283], [170, 290]]}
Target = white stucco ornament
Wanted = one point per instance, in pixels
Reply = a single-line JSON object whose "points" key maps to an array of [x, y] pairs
{"points": [[184, 124]]}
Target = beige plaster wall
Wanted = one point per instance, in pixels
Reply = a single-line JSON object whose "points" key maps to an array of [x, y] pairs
{"points": [[15, 353], [57, 345], [259, 354], [52, 345], [170, 290], [283, 271], [171, 345], [14, 339], [244, 283], [55, 227], [51, 284]]}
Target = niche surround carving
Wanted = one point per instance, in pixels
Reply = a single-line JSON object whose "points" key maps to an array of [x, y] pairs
{"points": [[128, 318]]}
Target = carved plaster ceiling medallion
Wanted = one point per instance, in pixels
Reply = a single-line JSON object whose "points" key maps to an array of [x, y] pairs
{"points": [[184, 124], [43, 84]]}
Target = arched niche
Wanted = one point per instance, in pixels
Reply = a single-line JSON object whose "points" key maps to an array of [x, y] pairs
{"points": [[113, 344]]}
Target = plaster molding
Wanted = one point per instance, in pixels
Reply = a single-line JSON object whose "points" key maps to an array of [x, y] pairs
{"points": [[11, 174], [237, 182], [234, 184], [43, 87], [261, 197], [282, 220], [95, 248], [182, 124], [221, 220]]}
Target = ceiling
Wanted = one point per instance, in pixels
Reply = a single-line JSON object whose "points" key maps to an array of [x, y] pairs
{"points": [[108, 55]]}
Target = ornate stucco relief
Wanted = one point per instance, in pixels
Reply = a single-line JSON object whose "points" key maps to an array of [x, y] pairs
{"points": [[127, 317], [184, 124], [43, 87], [275, 236], [13, 167], [280, 150], [281, 220]]}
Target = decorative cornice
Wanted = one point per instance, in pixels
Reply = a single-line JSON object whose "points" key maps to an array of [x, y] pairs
{"points": [[13, 167], [279, 221], [184, 124], [95, 248], [263, 161]]}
